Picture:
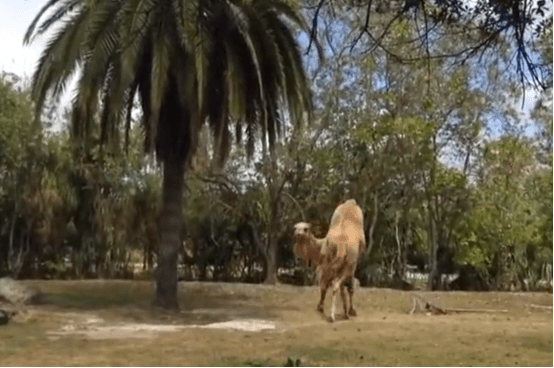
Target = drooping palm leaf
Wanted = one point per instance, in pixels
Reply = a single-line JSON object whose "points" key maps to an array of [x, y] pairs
{"points": [[229, 62], [31, 30]]}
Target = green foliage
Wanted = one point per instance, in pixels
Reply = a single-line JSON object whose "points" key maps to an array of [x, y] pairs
{"points": [[505, 232], [41, 204], [191, 63], [23, 160]]}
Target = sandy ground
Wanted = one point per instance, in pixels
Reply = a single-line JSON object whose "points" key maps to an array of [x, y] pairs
{"points": [[111, 323], [92, 327]]}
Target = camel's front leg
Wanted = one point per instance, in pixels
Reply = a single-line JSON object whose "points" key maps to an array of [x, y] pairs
{"points": [[335, 288], [324, 284], [321, 299], [337, 285]]}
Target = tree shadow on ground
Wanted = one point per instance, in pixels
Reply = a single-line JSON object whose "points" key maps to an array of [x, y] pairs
{"points": [[130, 301]]}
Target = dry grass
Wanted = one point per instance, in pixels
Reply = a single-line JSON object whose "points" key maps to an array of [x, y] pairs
{"points": [[383, 334]]}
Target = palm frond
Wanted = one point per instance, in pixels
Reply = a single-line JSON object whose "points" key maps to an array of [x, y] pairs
{"points": [[130, 98], [245, 95], [216, 88], [288, 9], [251, 129], [219, 62], [186, 15], [186, 128], [102, 31], [64, 9], [31, 29], [58, 60], [238, 131], [107, 119], [136, 20], [161, 59], [272, 72], [298, 93]]}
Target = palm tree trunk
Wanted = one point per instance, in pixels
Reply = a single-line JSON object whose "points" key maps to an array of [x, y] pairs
{"points": [[169, 230], [271, 258]]}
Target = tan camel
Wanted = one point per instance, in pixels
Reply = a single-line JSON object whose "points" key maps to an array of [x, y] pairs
{"points": [[336, 255]]}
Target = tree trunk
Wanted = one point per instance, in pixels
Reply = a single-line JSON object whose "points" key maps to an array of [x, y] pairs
{"points": [[169, 231], [432, 253], [400, 235], [271, 257], [271, 249], [10, 241], [373, 223], [274, 198]]}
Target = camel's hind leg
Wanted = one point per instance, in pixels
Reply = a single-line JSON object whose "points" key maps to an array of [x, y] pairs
{"points": [[350, 286], [344, 304]]}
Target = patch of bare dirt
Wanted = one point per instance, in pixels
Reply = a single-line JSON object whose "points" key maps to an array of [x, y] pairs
{"points": [[92, 327]]}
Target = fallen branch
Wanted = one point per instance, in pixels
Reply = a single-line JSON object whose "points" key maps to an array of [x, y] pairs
{"points": [[460, 310], [541, 306], [420, 304]]}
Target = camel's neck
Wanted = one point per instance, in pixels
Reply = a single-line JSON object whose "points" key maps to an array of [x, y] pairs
{"points": [[311, 248], [314, 242]]}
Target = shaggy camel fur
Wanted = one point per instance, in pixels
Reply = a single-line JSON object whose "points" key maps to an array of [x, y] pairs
{"points": [[336, 255]]}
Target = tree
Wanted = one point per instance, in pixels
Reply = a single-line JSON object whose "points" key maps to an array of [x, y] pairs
{"points": [[485, 26], [504, 236], [23, 161], [190, 62]]}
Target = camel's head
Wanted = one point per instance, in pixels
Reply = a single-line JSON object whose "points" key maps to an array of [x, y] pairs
{"points": [[304, 246], [302, 228]]}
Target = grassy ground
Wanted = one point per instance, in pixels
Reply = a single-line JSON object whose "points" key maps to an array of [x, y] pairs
{"points": [[383, 334]]}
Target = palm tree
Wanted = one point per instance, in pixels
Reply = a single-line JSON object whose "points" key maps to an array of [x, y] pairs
{"points": [[221, 62]]}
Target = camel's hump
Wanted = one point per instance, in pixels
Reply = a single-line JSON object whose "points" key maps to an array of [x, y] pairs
{"points": [[351, 202]]}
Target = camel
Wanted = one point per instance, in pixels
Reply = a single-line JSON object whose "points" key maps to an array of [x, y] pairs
{"points": [[336, 255]]}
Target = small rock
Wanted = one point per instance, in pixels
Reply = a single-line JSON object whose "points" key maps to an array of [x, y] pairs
{"points": [[4, 317], [291, 362], [15, 293]]}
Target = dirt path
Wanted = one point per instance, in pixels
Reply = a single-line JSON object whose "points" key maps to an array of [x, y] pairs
{"points": [[112, 323]]}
